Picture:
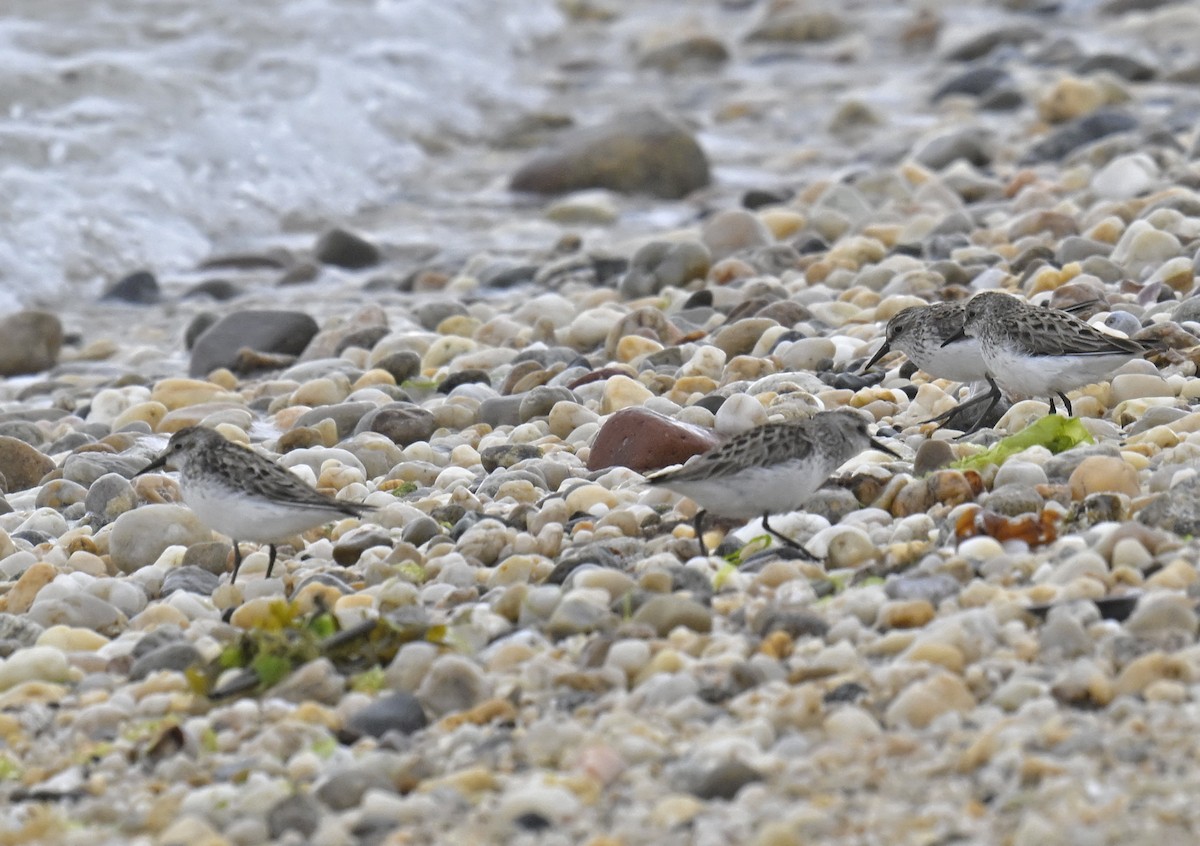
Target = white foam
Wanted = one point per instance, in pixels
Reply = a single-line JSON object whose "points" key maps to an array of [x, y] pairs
{"points": [[155, 134]]}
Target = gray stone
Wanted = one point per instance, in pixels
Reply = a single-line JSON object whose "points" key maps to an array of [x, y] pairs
{"points": [[538, 402], [506, 455], [722, 780], [81, 610], [346, 249], [172, 656], [210, 556], [501, 411], [345, 789], [421, 530], [454, 683], [191, 578], [316, 681], [660, 264], [296, 813], [350, 546], [665, 612], [403, 365], [109, 497], [260, 330], [345, 415], [430, 314], [398, 711], [403, 423], [140, 288], [86, 468]]}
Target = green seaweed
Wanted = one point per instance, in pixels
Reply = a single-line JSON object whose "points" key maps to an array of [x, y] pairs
{"points": [[287, 639], [1053, 432]]}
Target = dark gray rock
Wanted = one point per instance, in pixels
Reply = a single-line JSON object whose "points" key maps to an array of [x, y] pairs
{"points": [[192, 579], [217, 289], [506, 455], [430, 314], [972, 144], [661, 264], [139, 288], [346, 249], [296, 813], [173, 656], [403, 423], [1077, 133], [350, 546], [345, 789], [398, 711], [261, 330], [538, 402], [974, 82], [421, 530], [403, 365], [1177, 511], [721, 780], [197, 327]]}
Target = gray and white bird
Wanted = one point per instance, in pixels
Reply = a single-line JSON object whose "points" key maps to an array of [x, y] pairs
{"points": [[771, 469], [244, 495]]}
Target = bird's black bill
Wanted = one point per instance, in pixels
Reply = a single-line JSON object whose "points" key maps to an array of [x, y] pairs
{"points": [[957, 336], [879, 353], [153, 465], [882, 447]]}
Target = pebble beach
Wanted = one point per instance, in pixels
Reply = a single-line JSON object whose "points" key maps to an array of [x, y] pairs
{"points": [[662, 225]]}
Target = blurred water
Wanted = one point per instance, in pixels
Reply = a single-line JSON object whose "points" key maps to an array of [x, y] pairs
{"points": [[157, 132]]}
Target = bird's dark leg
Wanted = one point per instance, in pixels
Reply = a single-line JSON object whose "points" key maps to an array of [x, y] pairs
{"points": [[995, 397], [1053, 409], [967, 403], [698, 525], [237, 562], [271, 560], [1066, 404], [789, 541]]}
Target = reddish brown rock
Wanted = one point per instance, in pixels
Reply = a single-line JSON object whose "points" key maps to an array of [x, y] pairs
{"points": [[644, 440]]}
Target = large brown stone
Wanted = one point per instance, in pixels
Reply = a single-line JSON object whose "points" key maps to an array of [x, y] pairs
{"points": [[639, 153], [29, 342], [21, 465], [645, 440]]}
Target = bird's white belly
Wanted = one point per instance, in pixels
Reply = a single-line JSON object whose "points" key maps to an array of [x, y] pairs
{"points": [[962, 361], [755, 491], [1039, 377], [245, 518]]}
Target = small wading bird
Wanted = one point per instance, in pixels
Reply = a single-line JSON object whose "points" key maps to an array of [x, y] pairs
{"points": [[1032, 352], [931, 337], [771, 469], [238, 492]]}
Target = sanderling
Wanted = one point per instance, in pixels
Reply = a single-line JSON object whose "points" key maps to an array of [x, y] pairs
{"points": [[771, 469], [244, 495]]}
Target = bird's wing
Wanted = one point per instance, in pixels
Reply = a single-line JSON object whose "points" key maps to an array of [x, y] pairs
{"points": [[767, 444], [1058, 333]]}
